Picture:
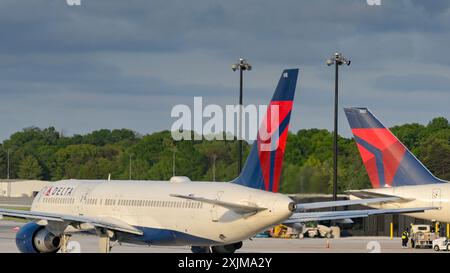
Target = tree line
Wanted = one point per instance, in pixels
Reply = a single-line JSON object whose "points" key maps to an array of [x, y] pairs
{"points": [[45, 154]]}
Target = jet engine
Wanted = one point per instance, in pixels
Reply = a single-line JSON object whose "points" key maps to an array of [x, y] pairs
{"points": [[33, 238]]}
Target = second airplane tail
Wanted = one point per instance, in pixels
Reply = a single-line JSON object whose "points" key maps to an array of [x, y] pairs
{"points": [[388, 162], [262, 169]]}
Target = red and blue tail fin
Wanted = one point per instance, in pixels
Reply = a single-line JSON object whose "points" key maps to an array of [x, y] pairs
{"points": [[262, 169], [388, 162]]}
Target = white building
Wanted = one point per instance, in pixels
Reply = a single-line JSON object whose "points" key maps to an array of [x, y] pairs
{"points": [[21, 188]]}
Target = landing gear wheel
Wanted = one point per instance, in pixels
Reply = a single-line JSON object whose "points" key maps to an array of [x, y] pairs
{"points": [[436, 248], [65, 238], [104, 241]]}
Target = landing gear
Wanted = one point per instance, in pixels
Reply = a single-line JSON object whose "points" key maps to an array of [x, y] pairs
{"points": [[104, 241], [65, 238], [201, 249], [231, 248]]}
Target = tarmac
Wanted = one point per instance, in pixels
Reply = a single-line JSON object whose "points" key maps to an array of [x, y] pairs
{"points": [[85, 243]]}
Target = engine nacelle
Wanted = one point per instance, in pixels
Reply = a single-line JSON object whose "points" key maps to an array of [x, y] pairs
{"points": [[33, 238]]}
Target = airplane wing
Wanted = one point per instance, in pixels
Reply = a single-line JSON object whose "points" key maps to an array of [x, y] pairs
{"points": [[238, 208], [329, 204], [108, 223], [336, 215]]}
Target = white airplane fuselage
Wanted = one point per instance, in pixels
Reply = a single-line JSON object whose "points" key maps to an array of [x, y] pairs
{"points": [[167, 220], [434, 195]]}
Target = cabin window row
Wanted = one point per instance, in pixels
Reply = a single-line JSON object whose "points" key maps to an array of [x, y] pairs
{"points": [[127, 202], [58, 200], [154, 203]]}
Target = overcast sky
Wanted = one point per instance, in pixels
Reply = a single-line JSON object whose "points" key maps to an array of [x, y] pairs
{"points": [[125, 64]]}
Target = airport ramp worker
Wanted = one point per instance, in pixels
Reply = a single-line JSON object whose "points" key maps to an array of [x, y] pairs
{"points": [[405, 237]]}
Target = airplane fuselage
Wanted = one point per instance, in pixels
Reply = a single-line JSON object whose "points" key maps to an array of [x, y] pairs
{"points": [[167, 220]]}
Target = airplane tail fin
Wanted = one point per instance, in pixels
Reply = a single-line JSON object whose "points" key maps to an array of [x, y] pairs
{"points": [[388, 162], [262, 169]]}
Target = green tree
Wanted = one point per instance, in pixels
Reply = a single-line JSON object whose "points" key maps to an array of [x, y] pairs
{"points": [[435, 155], [30, 169]]}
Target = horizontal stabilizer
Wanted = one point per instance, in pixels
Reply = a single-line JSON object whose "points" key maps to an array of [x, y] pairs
{"points": [[363, 194], [238, 208]]}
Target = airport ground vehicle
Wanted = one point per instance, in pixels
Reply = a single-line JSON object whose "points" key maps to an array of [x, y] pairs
{"points": [[318, 231], [284, 232], [422, 236], [441, 244], [311, 231]]}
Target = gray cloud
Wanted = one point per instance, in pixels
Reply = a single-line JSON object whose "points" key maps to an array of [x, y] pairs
{"points": [[115, 63]]}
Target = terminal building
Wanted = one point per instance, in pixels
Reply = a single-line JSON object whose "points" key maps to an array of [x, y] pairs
{"points": [[21, 188]]}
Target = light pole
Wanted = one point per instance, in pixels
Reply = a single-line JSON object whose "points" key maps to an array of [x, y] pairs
{"points": [[130, 166], [214, 167], [337, 60], [242, 65], [173, 161], [7, 170]]}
